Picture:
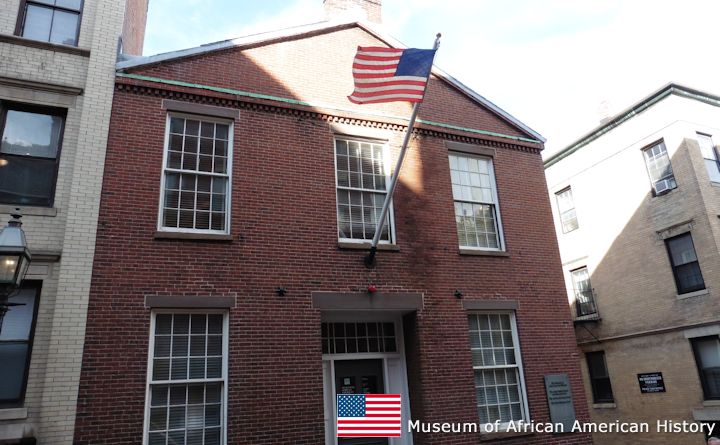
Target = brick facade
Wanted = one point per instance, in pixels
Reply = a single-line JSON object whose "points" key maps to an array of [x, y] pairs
{"points": [[284, 234]]}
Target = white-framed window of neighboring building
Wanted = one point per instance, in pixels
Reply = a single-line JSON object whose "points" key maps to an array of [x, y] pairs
{"points": [[707, 359], [186, 397], [499, 379], [16, 341], [659, 168], [599, 377], [54, 21], [362, 175], [685, 264], [566, 209], [196, 177], [30, 143], [584, 296], [710, 155], [477, 213]]}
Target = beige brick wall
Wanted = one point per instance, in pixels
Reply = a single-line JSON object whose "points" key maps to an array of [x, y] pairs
{"points": [[69, 228], [620, 241]]}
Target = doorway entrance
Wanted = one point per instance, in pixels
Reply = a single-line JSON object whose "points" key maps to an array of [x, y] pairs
{"points": [[363, 353]]}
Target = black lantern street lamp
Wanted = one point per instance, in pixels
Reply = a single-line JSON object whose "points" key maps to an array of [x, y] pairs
{"points": [[14, 261]]}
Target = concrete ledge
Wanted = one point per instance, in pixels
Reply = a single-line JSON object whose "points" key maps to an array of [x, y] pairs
{"points": [[490, 305], [194, 108], [13, 414], [17, 40], [35, 211], [476, 252], [505, 435], [363, 300], [193, 236], [189, 301], [693, 294], [604, 405], [366, 246], [709, 414]]}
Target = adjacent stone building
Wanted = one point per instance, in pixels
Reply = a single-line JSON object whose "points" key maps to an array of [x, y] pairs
{"points": [[636, 204], [230, 302], [57, 62]]}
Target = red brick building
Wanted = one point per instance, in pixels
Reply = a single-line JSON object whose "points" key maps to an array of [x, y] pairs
{"points": [[229, 300]]}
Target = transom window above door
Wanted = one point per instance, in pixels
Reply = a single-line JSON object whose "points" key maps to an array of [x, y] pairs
{"points": [[352, 338]]}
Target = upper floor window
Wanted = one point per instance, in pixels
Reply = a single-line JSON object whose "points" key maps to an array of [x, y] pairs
{"points": [[710, 154], [476, 203], [16, 340], [599, 377], [196, 178], [566, 208], [54, 21], [707, 358], [584, 298], [30, 141], [659, 168], [499, 382], [187, 379], [685, 265], [362, 176]]}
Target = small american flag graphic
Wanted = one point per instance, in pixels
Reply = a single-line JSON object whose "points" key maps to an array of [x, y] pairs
{"points": [[368, 415]]}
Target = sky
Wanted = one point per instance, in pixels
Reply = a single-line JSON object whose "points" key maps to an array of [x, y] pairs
{"points": [[558, 66]]}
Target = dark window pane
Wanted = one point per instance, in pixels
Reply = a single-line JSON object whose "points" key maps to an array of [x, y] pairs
{"points": [[684, 261], [599, 378], [31, 134], [18, 320], [27, 181], [13, 357], [64, 28], [37, 23]]}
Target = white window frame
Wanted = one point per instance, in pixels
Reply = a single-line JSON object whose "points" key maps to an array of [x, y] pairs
{"points": [[525, 409], [387, 166], [229, 165], [561, 212], [715, 155], [647, 157], [224, 378], [495, 204]]}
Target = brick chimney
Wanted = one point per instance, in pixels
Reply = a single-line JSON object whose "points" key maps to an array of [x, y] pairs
{"points": [[354, 9], [133, 32]]}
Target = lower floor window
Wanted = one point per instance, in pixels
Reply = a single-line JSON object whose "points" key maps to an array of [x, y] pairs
{"points": [[187, 379], [599, 377], [707, 358], [499, 386]]}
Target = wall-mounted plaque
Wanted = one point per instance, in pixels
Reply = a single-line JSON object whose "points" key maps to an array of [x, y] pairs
{"points": [[651, 382], [560, 401]]}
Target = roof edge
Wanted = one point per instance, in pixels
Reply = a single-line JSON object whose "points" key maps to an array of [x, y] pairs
{"points": [[627, 114]]}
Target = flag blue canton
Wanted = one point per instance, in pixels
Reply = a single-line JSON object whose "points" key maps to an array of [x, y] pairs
{"points": [[351, 405]]}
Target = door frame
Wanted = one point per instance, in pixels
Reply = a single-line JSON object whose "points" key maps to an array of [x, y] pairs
{"points": [[329, 369]]}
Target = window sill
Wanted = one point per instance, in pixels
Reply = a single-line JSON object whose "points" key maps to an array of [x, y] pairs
{"points": [[17, 40], [13, 413], [193, 236], [366, 246], [475, 252], [30, 210], [715, 184], [711, 403], [697, 293], [604, 405], [505, 435]]}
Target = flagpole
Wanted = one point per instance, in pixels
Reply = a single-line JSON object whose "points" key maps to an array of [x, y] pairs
{"points": [[370, 257]]}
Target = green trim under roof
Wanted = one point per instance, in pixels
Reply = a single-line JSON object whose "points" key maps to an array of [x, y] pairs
{"points": [[633, 111], [307, 104]]}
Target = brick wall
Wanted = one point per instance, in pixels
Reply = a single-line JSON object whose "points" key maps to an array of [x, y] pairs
{"points": [[133, 33]]}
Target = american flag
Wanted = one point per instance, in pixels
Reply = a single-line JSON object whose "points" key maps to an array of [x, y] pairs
{"points": [[389, 74], [368, 415]]}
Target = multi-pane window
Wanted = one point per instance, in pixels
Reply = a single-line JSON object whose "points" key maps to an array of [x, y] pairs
{"points": [[187, 380], [659, 168], [499, 386], [710, 154], [350, 338], [362, 181], [566, 208], [707, 358], [55, 21], [16, 343], [685, 265], [196, 177], [476, 209], [30, 140], [584, 298], [599, 377]]}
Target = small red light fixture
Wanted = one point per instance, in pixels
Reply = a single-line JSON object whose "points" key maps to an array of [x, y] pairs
{"points": [[371, 288]]}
